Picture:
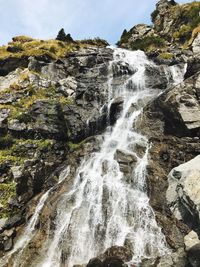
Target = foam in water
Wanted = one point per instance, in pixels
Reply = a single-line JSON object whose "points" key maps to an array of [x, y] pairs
{"points": [[107, 210], [106, 207]]}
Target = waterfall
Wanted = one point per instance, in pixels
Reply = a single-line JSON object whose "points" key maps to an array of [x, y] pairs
{"points": [[108, 202]]}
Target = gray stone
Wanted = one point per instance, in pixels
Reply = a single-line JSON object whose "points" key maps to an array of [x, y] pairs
{"points": [[183, 193], [196, 44], [191, 240], [15, 125], [2, 222]]}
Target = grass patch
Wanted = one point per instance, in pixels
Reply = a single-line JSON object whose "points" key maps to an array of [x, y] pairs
{"points": [[65, 100], [6, 141], [26, 46], [7, 190], [148, 43], [165, 56], [75, 146], [125, 37]]}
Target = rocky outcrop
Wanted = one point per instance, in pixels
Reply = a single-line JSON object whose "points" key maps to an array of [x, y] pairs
{"points": [[115, 256], [174, 36], [183, 192], [171, 124], [45, 109]]}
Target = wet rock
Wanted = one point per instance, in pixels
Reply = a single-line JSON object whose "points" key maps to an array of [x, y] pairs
{"points": [[157, 77], [194, 256], [115, 109], [118, 253], [113, 262], [126, 160], [121, 68], [95, 263], [115, 256], [175, 259]]}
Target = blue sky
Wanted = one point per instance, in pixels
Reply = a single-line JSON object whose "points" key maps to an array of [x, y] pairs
{"points": [[82, 18]]}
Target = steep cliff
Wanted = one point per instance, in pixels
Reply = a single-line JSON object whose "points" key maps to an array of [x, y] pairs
{"points": [[56, 99]]}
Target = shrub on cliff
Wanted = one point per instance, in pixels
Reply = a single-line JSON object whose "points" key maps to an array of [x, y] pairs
{"points": [[154, 15], [62, 36], [147, 43]]}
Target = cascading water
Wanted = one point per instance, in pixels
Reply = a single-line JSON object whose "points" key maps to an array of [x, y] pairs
{"points": [[106, 205]]}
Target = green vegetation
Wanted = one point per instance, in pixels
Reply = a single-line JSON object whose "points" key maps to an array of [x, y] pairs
{"points": [[65, 100], [19, 110], [8, 155], [26, 46], [148, 43], [7, 191], [75, 146], [194, 34], [187, 16], [16, 151], [95, 41], [165, 56], [184, 34], [183, 20], [154, 15], [6, 141], [22, 39], [125, 37]]}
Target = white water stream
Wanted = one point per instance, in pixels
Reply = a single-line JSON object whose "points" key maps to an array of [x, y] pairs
{"points": [[106, 206]]}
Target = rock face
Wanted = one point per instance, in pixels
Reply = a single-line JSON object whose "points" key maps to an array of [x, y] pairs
{"points": [[183, 192], [196, 44], [174, 27], [52, 109], [171, 124], [45, 109], [112, 257]]}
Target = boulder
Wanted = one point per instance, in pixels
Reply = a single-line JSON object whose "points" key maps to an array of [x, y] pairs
{"points": [[183, 193], [157, 77], [174, 259], [191, 240], [115, 256], [126, 160], [181, 109]]}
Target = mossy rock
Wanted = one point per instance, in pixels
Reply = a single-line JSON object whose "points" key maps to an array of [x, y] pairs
{"points": [[148, 43], [7, 191], [166, 56]]}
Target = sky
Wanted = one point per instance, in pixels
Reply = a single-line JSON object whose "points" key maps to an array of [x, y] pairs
{"points": [[43, 19]]}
